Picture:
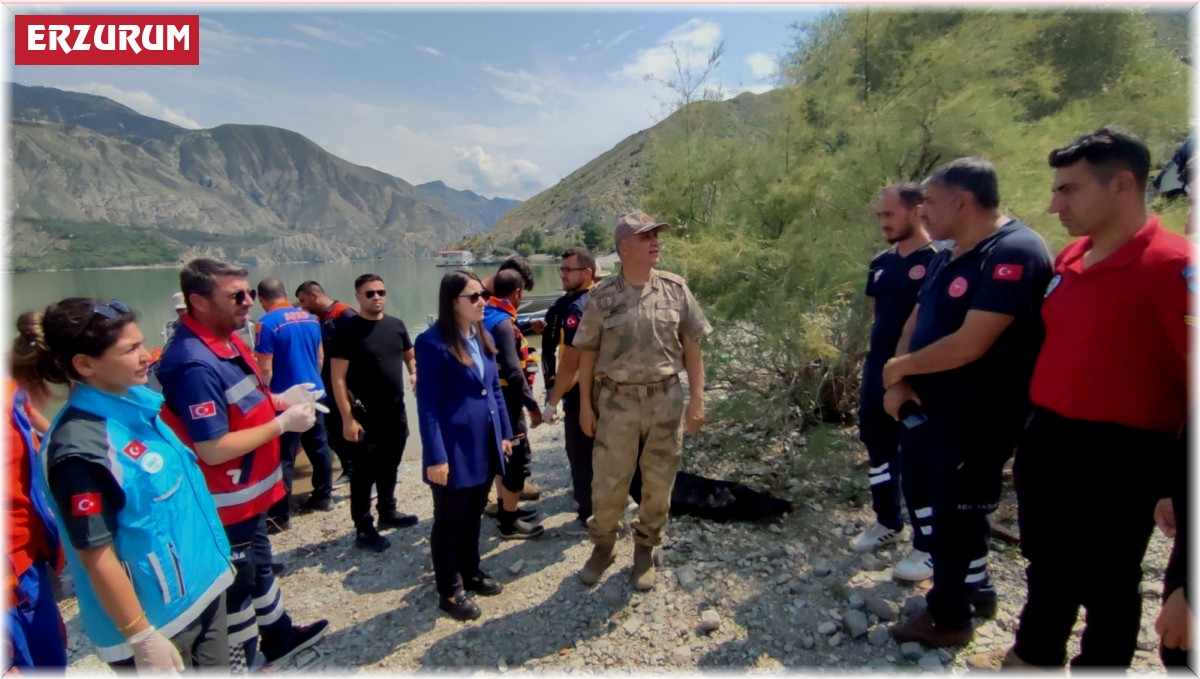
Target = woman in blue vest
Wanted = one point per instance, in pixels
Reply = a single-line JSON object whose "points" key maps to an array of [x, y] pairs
{"points": [[465, 437], [147, 551]]}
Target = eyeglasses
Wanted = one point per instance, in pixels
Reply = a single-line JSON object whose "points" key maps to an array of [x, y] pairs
{"points": [[476, 296], [240, 296], [569, 269], [371, 294], [110, 311]]}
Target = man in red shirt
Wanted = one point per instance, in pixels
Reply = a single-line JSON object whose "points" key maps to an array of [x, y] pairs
{"points": [[1110, 395]]}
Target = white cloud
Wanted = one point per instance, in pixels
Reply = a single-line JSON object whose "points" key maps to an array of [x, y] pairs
{"points": [[762, 65], [430, 50], [620, 38], [690, 44], [517, 87], [338, 33], [217, 38], [142, 102], [499, 174]]}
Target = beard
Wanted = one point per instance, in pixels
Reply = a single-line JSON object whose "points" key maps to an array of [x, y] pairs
{"points": [[903, 234]]}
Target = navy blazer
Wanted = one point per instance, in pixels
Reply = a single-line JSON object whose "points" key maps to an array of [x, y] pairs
{"points": [[457, 413]]}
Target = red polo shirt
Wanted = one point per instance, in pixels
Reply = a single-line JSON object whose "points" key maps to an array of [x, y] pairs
{"points": [[1116, 339]]}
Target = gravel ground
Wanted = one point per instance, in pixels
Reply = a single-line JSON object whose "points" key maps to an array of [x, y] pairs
{"points": [[742, 597]]}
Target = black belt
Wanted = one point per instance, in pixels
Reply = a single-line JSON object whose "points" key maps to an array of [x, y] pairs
{"points": [[638, 389]]}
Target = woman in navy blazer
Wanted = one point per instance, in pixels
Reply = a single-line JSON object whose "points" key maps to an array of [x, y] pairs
{"points": [[465, 437]]}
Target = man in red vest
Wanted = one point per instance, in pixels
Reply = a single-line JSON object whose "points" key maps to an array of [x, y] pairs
{"points": [[217, 403]]}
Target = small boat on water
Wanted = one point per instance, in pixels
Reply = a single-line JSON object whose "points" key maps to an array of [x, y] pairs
{"points": [[455, 258]]}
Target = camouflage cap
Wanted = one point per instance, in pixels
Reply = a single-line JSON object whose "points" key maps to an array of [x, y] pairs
{"points": [[634, 223]]}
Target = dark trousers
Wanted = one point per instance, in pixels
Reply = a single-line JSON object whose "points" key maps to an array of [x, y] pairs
{"points": [[376, 460], [579, 453], [1085, 498], [204, 643], [316, 447], [454, 542], [333, 427], [517, 467], [881, 436], [1175, 660], [951, 473], [253, 603]]}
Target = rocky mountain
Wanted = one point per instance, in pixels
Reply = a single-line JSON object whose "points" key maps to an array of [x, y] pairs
{"points": [[611, 184], [94, 183], [479, 212]]}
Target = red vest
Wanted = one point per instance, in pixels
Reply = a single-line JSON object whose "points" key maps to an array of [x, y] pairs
{"points": [[244, 486]]}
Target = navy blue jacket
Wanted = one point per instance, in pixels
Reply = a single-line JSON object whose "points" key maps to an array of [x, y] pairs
{"points": [[462, 419]]}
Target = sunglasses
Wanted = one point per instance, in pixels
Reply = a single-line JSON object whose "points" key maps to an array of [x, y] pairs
{"points": [[569, 269], [371, 294], [110, 311], [476, 296], [241, 295]]}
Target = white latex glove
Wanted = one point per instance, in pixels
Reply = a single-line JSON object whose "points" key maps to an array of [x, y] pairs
{"points": [[306, 392], [155, 654], [298, 418], [549, 414]]}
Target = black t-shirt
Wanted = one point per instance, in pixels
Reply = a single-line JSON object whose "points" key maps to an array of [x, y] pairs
{"points": [[1005, 273], [893, 281], [375, 350]]}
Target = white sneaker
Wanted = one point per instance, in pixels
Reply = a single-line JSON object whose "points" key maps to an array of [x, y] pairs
{"points": [[875, 536], [915, 567]]}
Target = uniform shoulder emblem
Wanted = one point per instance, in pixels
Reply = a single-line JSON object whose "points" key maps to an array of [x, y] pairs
{"points": [[672, 277]]}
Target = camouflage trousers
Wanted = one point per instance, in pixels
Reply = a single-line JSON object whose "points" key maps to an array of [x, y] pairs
{"points": [[625, 422]]}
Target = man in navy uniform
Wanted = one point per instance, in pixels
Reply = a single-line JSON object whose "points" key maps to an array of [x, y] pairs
{"points": [[965, 358], [893, 279]]}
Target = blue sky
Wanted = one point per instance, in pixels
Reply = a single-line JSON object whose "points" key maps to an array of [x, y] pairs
{"points": [[502, 101]]}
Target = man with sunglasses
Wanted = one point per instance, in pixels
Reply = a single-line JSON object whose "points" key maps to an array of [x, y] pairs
{"points": [[313, 299], [640, 330], [368, 356], [217, 403], [578, 273]]}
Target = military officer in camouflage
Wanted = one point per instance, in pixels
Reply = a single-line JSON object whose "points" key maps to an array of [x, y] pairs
{"points": [[639, 330]]}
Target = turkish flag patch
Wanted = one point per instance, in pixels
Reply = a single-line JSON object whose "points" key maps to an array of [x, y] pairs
{"points": [[1007, 272], [203, 410], [572, 321], [85, 504], [134, 449]]}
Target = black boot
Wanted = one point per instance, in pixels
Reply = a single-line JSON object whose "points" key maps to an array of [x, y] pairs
{"points": [[514, 528]]}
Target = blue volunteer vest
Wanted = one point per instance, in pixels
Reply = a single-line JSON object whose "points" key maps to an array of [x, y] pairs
{"points": [[168, 536]]}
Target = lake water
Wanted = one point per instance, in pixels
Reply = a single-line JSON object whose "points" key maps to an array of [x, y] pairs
{"points": [[412, 291], [412, 288]]}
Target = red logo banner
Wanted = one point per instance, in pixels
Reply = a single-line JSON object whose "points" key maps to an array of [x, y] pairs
{"points": [[107, 40]]}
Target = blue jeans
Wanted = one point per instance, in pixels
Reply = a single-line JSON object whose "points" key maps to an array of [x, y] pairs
{"points": [[35, 625]]}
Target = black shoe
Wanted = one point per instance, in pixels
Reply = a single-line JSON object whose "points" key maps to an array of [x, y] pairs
{"points": [[277, 567], [395, 519], [483, 585], [300, 639], [460, 607], [317, 504], [278, 525], [516, 529], [372, 540]]}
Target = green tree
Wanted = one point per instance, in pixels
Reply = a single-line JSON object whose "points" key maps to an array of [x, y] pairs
{"points": [[595, 236]]}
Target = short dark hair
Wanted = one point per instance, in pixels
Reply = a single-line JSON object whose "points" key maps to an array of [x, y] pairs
{"points": [[364, 279], [311, 288], [585, 257], [910, 193], [271, 288], [199, 277], [518, 264], [507, 282], [1107, 151], [976, 176]]}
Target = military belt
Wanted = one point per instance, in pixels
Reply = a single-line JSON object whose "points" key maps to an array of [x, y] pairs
{"points": [[650, 389]]}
